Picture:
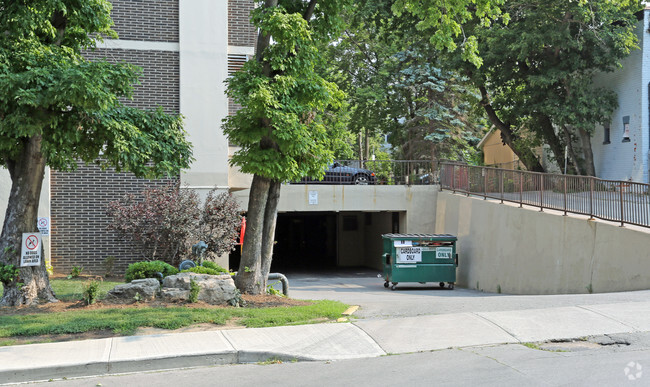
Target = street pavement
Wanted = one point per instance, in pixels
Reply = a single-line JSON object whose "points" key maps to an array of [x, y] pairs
{"points": [[444, 319]]}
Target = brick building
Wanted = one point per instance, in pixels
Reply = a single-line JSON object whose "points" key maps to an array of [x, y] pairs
{"points": [[184, 48]]}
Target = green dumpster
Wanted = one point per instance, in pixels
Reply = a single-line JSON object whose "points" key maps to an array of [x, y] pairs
{"points": [[419, 258]]}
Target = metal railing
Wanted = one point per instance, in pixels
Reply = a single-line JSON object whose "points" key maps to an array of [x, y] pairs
{"points": [[612, 200], [386, 172]]}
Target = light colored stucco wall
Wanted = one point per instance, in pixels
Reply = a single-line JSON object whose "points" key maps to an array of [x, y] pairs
{"points": [[203, 45], [523, 251], [620, 160], [418, 202]]}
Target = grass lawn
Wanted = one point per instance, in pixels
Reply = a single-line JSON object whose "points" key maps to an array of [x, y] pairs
{"points": [[15, 322], [72, 289]]}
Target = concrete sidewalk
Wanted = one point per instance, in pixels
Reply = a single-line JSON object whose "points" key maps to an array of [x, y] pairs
{"points": [[362, 338]]}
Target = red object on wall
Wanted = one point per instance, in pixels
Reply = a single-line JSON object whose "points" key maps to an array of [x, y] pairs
{"points": [[242, 233]]}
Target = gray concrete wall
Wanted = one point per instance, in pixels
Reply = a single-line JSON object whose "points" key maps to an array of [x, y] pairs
{"points": [[523, 251], [418, 202], [371, 206]]}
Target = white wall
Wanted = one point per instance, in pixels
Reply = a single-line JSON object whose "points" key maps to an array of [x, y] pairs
{"points": [[5, 187], [204, 67], [620, 160]]}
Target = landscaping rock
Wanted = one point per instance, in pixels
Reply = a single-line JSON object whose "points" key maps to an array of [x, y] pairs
{"points": [[174, 294], [146, 288], [214, 289]]}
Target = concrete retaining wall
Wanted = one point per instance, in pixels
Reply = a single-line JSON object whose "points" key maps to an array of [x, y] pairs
{"points": [[523, 251]]}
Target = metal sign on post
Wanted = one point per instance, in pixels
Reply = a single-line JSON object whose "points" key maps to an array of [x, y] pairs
{"points": [[30, 254], [44, 226]]}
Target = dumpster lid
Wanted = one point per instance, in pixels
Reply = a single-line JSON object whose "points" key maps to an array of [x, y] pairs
{"points": [[421, 236]]}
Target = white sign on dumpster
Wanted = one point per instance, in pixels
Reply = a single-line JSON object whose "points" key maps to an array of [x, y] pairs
{"points": [[444, 253], [409, 254], [30, 254]]}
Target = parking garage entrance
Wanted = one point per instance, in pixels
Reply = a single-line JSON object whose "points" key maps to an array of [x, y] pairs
{"points": [[320, 241]]}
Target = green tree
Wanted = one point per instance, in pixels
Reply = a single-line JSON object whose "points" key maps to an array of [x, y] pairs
{"points": [[537, 72], [395, 85], [280, 128], [57, 107], [445, 22]]}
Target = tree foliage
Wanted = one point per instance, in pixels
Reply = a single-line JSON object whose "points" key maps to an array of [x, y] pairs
{"points": [[396, 85], [445, 21], [57, 107], [48, 89], [280, 129], [538, 69]]}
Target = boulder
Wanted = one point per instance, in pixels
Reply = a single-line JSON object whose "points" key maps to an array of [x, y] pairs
{"points": [[146, 288], [174, 294], [214, 289]]}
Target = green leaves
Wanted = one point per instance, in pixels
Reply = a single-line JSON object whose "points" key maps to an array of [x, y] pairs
{"points": [[445, 20], [539, 65], [279, 128], [48, 88]]}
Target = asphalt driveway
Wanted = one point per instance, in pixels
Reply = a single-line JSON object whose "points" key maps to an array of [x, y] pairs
{"points": [[363, 287]]}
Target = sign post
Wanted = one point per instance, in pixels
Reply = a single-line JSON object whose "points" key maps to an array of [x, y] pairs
{"points": [[30, 254]]}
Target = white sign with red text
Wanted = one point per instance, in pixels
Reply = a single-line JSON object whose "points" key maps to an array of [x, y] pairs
{"points": [[30, 254]]}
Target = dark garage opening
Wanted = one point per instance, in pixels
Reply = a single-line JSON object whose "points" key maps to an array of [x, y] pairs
{"points": [[305, 241], [319, 241]]}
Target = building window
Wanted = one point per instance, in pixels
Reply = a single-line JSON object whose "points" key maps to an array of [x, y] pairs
{"points": [[626, 129], [606, 133]]}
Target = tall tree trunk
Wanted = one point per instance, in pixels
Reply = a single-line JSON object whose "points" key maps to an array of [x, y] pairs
{"points": [[548, 133], [32, 285], [587, 153], [270, 217], [366, 146], [572, 154], [250, 278], [525, 154]]}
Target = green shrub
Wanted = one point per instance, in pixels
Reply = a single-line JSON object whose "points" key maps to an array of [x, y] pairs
{"points": [[76, 272], [90, 291], [214, 266], [203, 270], [148, 269], [194, 291]]}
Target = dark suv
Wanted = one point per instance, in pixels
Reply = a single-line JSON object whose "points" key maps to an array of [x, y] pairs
{"points": [[341, 174]]}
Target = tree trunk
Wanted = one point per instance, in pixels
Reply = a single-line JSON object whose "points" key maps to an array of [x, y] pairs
{"points": [[508, 137], [270, 217], [32, 285], [249, 277], [571, 153], [548, 133], [259, 239], [366, 147], [587, 153]]}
